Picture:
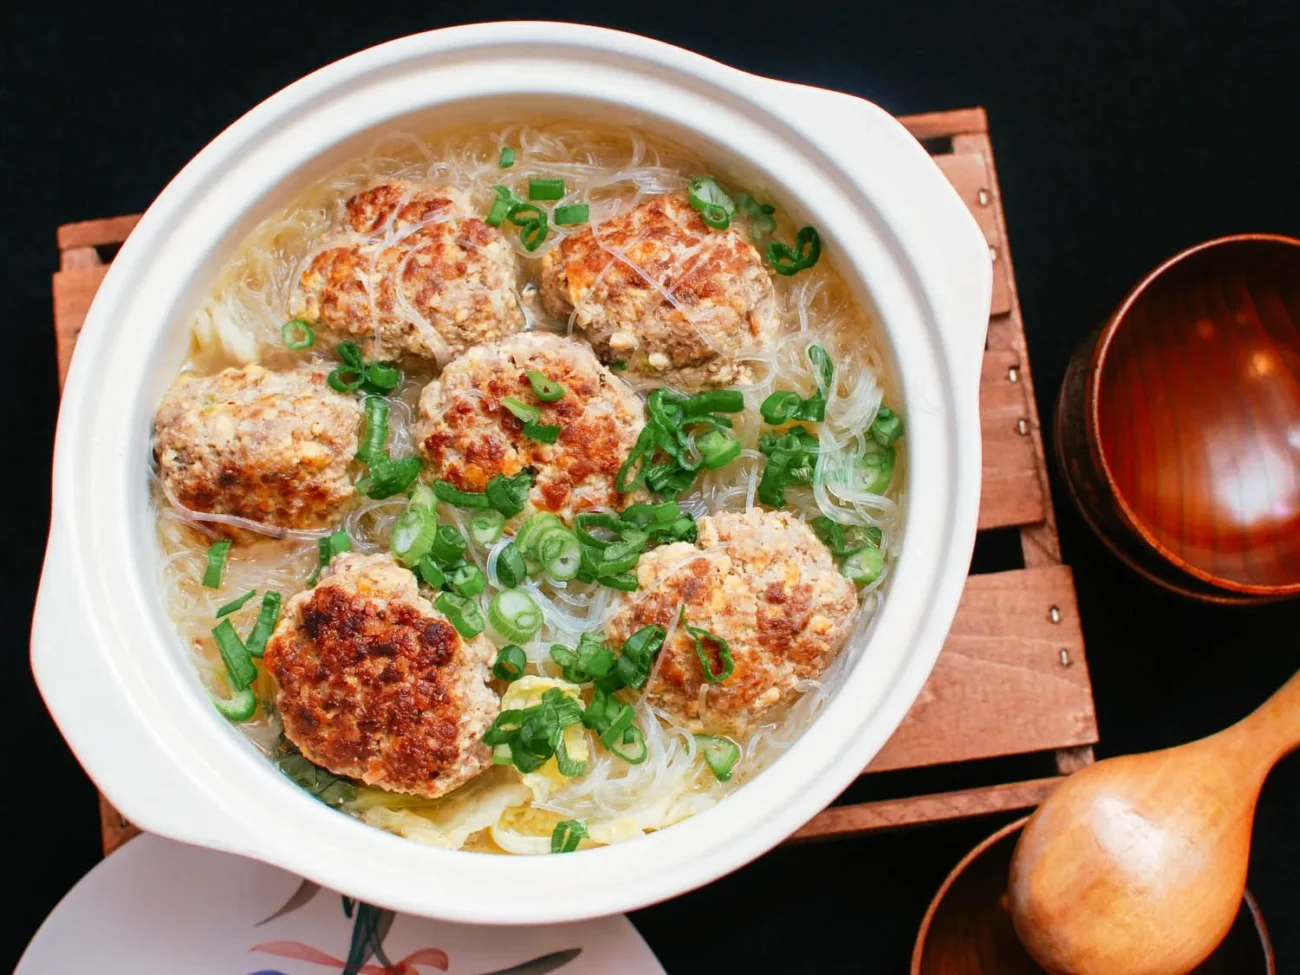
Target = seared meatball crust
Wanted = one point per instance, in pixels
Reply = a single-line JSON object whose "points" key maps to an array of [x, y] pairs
{"points": [[270, 447], [375, 684], [468, 435], [763, 582], [663, 292], [414, 273]]}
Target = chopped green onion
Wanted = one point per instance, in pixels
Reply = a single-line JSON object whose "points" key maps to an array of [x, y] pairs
{"points": [[789, 260], [618, 365], [587, 520], [546, 390], [791, 458], [634, 737], [542, 188], [448, 545], [505, 203], [714, 401], [514, 615], [761, 222], [567, 835], [338, 382], [413, 534], [526, 738], [236, 604], [446, 491], [533, 232], [864, 565], [718, 449], [876, 469], [240, 706], [239, 665], [724, 652], [510, 663], [646, 515], [509, 495], [721, 754], [565, 764], [218, 553], [297, 335], [390, 477], [533, 529], [821, 361], [374, 438], [382, 377], [575, 213], [623, 582], [511, 568], [887, 427], [507, 158], [485, 526], [467, 580], [711, 200], [780, 406], [267, 616], [590, 660], [428, 570], [330, 546], [350, 353], [462, 612], [521, 410], [558, 552], [638, 655], [542, 432]]}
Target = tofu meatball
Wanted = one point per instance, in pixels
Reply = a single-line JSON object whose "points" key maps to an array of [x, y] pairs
{"points": [[375, 684], [680, 302], [468, 435], [271, 447], [763, 582], [414, 273]]}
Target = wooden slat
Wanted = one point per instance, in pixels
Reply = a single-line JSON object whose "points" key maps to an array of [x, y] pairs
{"points": [[840, 821], [999, 686], [968, 172], [96, 233], [1011, 491], [114, 828], [73, 293], [942, 125]]}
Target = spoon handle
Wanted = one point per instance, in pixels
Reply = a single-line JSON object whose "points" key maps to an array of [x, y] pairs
{"points": [[1273, 729]]}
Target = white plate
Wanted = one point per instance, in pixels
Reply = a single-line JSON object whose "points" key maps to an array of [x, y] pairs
{"points": [[156, 906]]}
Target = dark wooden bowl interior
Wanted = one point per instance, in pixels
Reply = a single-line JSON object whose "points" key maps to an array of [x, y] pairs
{"points": [[1198, 413], [968, 930]]}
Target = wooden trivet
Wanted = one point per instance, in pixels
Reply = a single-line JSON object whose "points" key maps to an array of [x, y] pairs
{"points": [[1012, 678]]}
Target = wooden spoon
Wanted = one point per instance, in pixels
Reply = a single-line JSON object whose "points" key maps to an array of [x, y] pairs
{"points": [[1136, 865]]}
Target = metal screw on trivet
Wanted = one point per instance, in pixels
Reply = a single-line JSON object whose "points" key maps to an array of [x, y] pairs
{"points": [[1013, 375], [1065, 657], [1054, 614], [1022, 427], [983, 197]]}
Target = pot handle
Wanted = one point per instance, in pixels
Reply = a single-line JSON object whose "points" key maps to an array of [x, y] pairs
{"points": [[918, 205], [94, 713]]}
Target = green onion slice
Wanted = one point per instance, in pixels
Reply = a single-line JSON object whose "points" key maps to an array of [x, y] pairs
{"points": [[718, 449], [345, 379], [728, 663], [721, 754], [714, 401], [428, 570], [567, 835], [507, 158], [565, 764], [546, 390], [509, 495], [297, 335], [521, 410], [504, 204], [413, 534], [558, 552], [780, 406], [351, 355], [236, 604], [533, 233], [467, 579], [267, 616], [761, 222], [240, 668], [448, 545], [373, 440], [330, 546], [240, 706], [446, 491], [638, 655], [711, 200], [876, 468], [511, 568], [575, 213], [789, 260], [510, 663], [542, 188], [863, 566], [462, 612], [542, 432], [382, 377], [486, 525], [390, 477], [218, 554], [514, 615], [887, 427]]}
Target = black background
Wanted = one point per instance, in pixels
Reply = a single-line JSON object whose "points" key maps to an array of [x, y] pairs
{"points": [[1124, 132]]}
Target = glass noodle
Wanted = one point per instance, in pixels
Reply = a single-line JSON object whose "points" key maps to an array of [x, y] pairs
{"points": [[610, 169]]}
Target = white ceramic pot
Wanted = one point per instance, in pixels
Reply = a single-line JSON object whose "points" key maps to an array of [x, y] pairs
{"points": [[105, 654]]}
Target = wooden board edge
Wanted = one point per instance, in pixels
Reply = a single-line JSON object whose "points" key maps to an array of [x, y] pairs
{"points": [[941, 125], [836, 822], [115, 829], [97, 233]]}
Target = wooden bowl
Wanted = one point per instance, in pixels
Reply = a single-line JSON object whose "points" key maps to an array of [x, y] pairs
{"points": [[967, 930], [1178, 427]]}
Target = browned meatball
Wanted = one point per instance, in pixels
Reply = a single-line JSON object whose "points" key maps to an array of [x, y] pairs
{"points": [[678, 301], [763, 582], [375, 684], [414, 273], [272, 447], [468, 435]]}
